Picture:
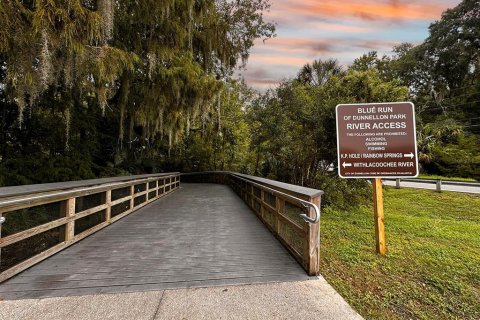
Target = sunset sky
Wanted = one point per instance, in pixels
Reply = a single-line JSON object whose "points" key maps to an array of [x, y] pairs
{"points": [[344, 30]]}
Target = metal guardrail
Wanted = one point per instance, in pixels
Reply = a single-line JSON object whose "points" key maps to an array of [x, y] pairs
{"points": [[434, 181], [437, 182]]}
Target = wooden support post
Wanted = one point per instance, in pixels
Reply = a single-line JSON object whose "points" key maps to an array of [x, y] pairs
{"points": [[132, 196], [280, 208], [439, 185], [379, 216], [252, 196], [108, 201], [69, 208], [156, 188], [397, 185], [313, 241], [262, 204], [147, 189]]}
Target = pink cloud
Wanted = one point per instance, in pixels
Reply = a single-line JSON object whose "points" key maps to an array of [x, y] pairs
{"points": [[335, 27], [359, 9], [297, 50], [281, 60], [344, 30]]}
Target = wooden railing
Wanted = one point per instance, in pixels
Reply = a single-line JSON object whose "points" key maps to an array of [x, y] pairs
{"points": [[275, 205], [41, 221]]}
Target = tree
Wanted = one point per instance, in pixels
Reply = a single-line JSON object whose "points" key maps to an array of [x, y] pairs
{"points": [[319, 72], [106, 80], [293, 127]]}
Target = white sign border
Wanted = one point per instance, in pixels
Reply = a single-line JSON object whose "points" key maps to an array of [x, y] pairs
{"points": [[373, 104]]}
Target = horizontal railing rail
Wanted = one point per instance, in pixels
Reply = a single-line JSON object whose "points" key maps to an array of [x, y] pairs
{"points": [[291, 213], [289, 197], [60, 218]]}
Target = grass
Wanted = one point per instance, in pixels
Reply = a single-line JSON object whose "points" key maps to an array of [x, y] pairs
{"points": [[436, 177], [432, 268]]}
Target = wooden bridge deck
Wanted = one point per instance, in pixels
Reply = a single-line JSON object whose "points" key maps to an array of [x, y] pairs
{"points": [[200, 235]]}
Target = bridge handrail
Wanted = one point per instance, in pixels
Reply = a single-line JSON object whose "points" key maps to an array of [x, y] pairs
{"points": [[18, 201], [286, 195], [137, 192]]}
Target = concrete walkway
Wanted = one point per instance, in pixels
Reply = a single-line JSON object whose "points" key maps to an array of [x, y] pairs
{"points": [[311, 299]]}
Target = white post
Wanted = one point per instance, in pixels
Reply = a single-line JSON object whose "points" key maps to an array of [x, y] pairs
{"points": [[2, 220], [397, 183], [439, 185]]}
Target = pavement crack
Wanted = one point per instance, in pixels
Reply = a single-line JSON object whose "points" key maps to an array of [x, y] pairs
{"points": [[158, 307]]}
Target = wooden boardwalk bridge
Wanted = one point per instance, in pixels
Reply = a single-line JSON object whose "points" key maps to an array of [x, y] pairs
{"points": [[205, 230]]}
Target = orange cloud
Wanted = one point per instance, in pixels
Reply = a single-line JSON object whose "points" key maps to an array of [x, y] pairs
{"points": [[360, 9], [335, 27], [305, 47], [344, 30]]}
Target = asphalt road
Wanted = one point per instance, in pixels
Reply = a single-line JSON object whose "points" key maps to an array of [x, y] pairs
{"points": [[432, 186]]}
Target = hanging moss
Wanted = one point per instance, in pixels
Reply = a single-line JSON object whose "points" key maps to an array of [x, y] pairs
{"points": [[106, 10], [178, 54]]}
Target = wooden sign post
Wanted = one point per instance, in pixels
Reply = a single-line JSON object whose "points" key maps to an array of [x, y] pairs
{"points": [[376, 140], [380, 242]]}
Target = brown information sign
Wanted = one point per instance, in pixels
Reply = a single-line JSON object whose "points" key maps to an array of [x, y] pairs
{"points": [[376, 140]]}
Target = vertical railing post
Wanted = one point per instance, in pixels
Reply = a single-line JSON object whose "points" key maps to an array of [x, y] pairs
{"points": [[108, 209], [132, 196], [69, 207], [313, 258], [397, 185], [262, 204], [147, 189], [252, 196], [156, 188], [280, 208]]}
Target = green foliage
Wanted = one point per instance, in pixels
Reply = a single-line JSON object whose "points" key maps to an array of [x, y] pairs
{"points": [[443, 78], [98, 88], [101, 87], [343, 193], [293, 127], [222, 142], [461, 158]]}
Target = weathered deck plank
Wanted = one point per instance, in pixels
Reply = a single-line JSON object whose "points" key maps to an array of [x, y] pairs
{"points": [[200, 235]]}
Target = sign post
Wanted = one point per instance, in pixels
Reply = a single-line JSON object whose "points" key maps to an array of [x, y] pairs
{"points": [[376, 140], [380, 243]]}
